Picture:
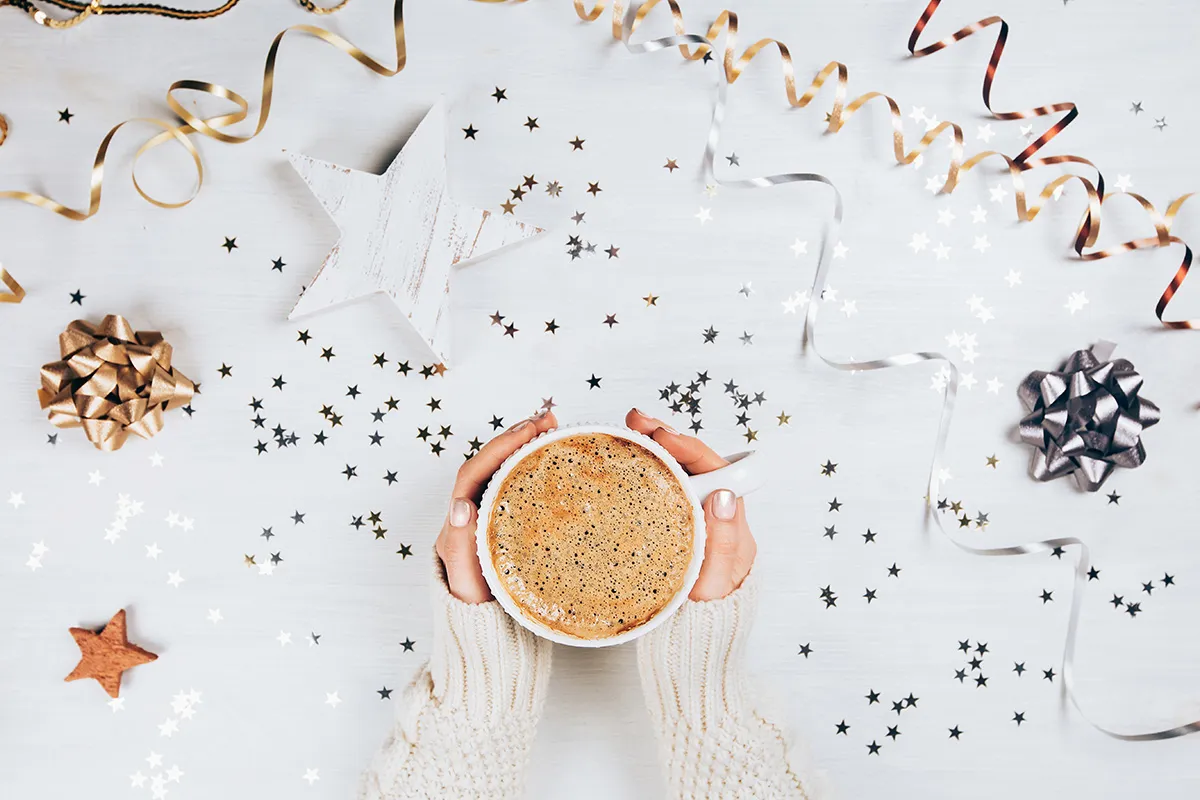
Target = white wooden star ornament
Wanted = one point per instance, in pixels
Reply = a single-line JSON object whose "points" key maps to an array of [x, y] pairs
{"points": [[401, 232]]}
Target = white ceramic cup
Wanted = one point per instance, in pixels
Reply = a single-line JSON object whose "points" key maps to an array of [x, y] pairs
{"points": [[741, 476]]}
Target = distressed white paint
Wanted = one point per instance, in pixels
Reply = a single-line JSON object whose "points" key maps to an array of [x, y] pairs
{"points": [[401, 232]]}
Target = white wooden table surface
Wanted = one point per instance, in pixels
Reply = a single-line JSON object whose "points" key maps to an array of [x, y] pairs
{"points": [[263, 720]]}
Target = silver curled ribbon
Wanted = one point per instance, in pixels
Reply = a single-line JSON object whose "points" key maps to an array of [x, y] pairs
{"points": [[901, 360], [1087, 418]]}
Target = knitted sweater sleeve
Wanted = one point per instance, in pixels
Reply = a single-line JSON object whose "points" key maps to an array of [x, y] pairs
{"points": [[465, 724], [693, 676]]}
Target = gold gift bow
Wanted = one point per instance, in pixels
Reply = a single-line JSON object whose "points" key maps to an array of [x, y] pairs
{"points": [[112, 381], [17, 291], [212, 126], [1088, 230]]}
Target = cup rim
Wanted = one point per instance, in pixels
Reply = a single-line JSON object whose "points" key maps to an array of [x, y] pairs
{"points": [[699, 534]]}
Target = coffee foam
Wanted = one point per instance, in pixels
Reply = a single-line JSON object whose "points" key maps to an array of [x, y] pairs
{"points": [[591, 535]]}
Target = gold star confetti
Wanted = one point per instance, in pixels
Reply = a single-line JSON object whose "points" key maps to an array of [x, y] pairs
{"points": [[784, 418], [508, 206], [992, 461], [651, 299], [249, 560], [670, 166]]}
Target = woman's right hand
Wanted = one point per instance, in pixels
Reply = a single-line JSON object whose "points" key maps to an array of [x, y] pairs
{"points": [[729, 547], [456, 542]]}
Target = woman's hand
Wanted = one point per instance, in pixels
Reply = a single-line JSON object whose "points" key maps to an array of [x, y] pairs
{"points": [[456, 543], [730, 549]]}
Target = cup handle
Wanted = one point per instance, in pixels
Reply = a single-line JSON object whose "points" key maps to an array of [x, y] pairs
{"points": [[742, 475]]}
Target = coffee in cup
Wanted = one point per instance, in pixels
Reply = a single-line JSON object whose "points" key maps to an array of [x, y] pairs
{"points": [[591, 535]]}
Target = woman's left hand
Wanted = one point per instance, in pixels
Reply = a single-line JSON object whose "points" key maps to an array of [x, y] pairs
{"points": [[456, 542]]}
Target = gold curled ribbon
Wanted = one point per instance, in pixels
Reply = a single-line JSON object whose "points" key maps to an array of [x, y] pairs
{"points": [[1088, 230], [950, 390], [211, 127], [16, 293], [112, 381], [3, 128]]}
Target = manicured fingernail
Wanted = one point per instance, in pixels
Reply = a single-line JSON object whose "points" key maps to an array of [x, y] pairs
{"points": [[640, 413], [520, 426], [668, 429], [460, 513], [724, 505], [541, 414]]}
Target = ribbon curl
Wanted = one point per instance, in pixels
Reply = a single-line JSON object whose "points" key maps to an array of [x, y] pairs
{"points": [[1028, 205], [1087, 418], [16, 293], [212, 126], [950, 391], [112, 381]]}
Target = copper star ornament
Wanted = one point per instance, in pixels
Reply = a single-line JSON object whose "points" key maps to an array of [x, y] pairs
{"points": [[401, 232], [105, 655]]}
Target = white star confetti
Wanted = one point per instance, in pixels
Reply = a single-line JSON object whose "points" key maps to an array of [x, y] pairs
{"points": [[799, 248], [117, 704], [168, 728], [156, 460], [214, 615], [796, 299], [981, 244], [94, 478], [942, 252], [978, 214], [311, 776], [918, 242], [984, 132], [704, 215], [994, 385], [1013, 278], [849, 308], [945, 217], [1124, 184], [174, 578], [16, 499], [283, 638], [332, 700], [1076, 302], [153, 551], [840, 250], [998, 193]]}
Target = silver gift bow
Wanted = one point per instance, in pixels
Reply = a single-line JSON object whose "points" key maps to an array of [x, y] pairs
{"points": [[901, 360], [1087, 418]]}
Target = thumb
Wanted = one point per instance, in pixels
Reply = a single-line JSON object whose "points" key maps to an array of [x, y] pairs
{"points": [[727, 542], [456, 547]]}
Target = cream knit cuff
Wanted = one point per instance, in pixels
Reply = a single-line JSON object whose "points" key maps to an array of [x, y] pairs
{"points": [[482, 662], [692, 665]]}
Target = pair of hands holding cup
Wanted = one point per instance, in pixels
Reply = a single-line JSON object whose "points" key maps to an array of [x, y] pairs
{"points": [[729, 548]]}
